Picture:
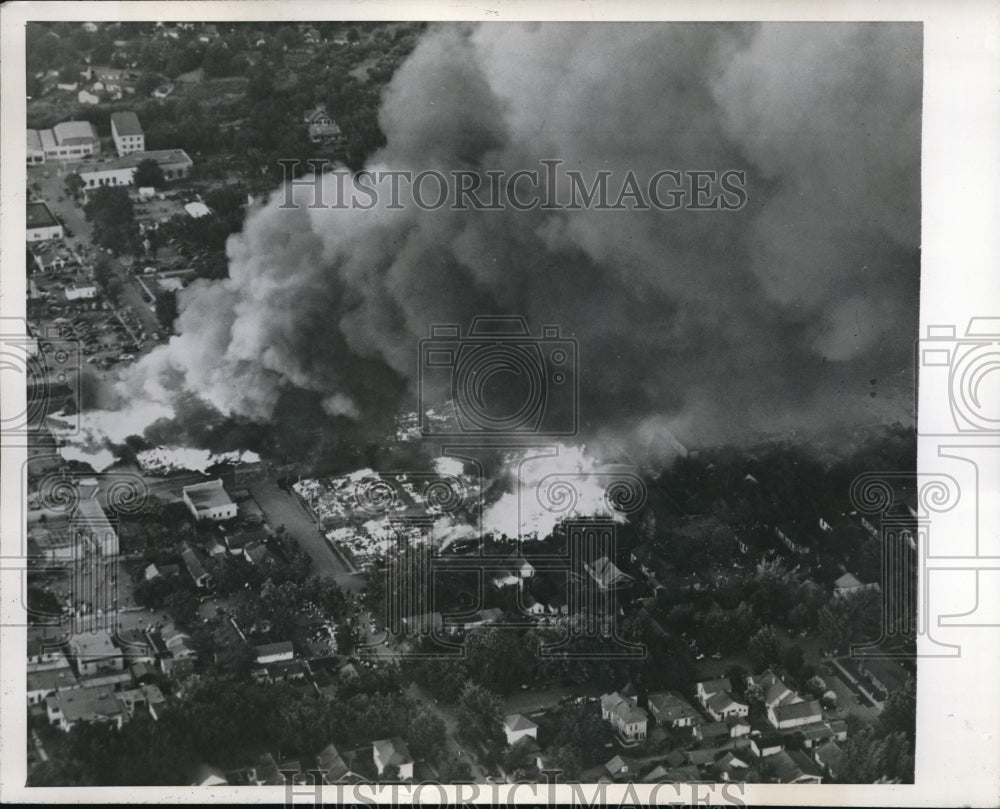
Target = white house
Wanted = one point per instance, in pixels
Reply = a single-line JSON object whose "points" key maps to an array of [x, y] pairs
{"points": [[629, 719], [671, 709], [794, 714], [517, 727], [209, 501], [127, 133]]}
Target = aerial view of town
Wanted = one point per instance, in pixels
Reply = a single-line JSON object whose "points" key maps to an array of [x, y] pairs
{"points": [[288, 518]]}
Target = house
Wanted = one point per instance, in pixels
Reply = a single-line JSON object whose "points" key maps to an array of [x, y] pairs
{"points": [[257, 554], [671, 709], [209, 501], [88, 705], [393, 753], [43, 684], [702, 757], [849, 585], [195, 569], [709, 688], [335, 771], [723, 706], [322, 128], [274, 652], [767, 744], [606, 574], [135, 647], [41, 223], [887, 675], [738, 727], [731, 767], [622, 768], [520, 567], [775, 691], [174, 163], [794, 714], [156, 571], [126, 131], [626, 717], [830, 758], [663, 775], [90, 527], [531, 606], [516, 727], [712, 732], [794, 767], [147, 696], [95, 653], [173, 651]]}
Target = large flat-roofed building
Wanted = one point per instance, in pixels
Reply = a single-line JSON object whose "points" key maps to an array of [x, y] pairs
{"points": [[127, 133], [95, 653], [70, 140], [209, 501], [90, 528], [174, 163], [89, 705], [41, 223]]}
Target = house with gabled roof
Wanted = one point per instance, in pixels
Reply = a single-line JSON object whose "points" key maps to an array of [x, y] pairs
{"points": [[87, 705], [794, 767], [393, 752], [606, 574], [794, 714], [830, 758], [334, 768], [625, 716], [723, 705], [622, 768], [670, 709]]}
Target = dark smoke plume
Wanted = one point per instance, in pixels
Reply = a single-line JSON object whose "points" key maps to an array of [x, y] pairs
{"points": [[714, 325]]}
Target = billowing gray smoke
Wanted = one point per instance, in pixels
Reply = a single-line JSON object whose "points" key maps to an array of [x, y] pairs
{"points": [[714, 324]]}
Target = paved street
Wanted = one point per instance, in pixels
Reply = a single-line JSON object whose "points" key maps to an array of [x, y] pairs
{"points": [[448, 716], [282, 508]]}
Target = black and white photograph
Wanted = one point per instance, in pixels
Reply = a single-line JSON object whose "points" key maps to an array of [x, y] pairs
{"points": [[492, 402]]}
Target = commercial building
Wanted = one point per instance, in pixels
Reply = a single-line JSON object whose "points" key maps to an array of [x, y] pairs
{"points": [[41, 223], [90, 528], [127, 133], [70, 140], [83, 290], [209, 501], [174, 163]]}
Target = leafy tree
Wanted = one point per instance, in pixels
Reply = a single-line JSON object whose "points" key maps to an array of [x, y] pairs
{"points": [[146, 83], [869, 757], [519, 755], [764, 648], [427, 735], [455, 771], [737, 679], [480, 716], [74, 185], [166, 309], [109, 209], [900, 713], [148, 174]]}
